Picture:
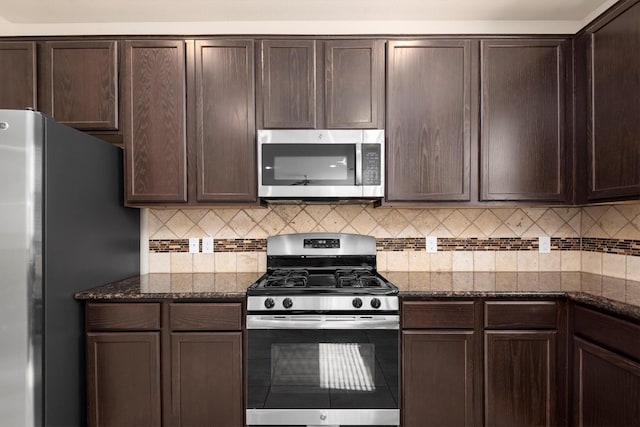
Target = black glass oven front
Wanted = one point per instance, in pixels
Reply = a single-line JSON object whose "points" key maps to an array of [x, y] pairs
{"points": [[322, 369]]}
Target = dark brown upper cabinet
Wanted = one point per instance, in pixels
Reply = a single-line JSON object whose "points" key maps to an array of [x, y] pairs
{"points": [[288, 84], [429, 115], [354, 84], [225, 121], [613, 128], [18, 85], [155, 121], [307, 84], [524, 142], [81, 83]]}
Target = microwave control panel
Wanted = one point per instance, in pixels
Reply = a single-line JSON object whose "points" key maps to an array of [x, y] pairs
{"points": [[371, 164]]}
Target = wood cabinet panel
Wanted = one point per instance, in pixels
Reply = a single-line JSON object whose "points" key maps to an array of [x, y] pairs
{"points": [[438, 315], [613, 130], [520, 315], [438, 378], [523, 144], [606, 387], [428, 120], [123, 371], [520, 378], [288, 83], [18, 71], [210, 317], [81, 83], [129, 316], [598, 327], [225, 120], [354, 84], [154, 128], [206, 379]]}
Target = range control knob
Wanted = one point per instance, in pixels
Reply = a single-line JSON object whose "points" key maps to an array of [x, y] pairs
{"points": [[287, 303], [375, 303], [269, 303], [357, 302]]}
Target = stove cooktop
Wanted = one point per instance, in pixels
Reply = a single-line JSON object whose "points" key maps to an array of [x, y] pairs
{"points": [[305, 282], [321, 272]]}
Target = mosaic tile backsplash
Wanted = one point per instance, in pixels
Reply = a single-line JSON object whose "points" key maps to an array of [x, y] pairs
{"points": [[597, 239]]}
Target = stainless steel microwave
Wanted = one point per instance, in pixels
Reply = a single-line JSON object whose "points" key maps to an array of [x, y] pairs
{"points": [[331, 164]]}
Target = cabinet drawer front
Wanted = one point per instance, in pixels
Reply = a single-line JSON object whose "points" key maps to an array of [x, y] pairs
{"points": [[520, 315], [205, 317], [123, 317], [615, 333], [438, 314]]}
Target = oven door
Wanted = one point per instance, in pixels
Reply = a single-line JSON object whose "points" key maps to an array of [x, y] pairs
{"points": [[322, 370]]}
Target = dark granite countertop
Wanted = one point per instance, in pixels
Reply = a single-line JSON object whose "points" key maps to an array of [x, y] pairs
{"points": [[174, 286], [615, 295]]}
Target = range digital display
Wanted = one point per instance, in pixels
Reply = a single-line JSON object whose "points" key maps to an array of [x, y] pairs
{"points": [[321, 243]]}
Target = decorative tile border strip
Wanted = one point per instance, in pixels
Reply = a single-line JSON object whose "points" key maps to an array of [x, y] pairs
{"points": [[219, 245], [624, 247], [407, 244], [611, 246], [475, 244], [169, 246], [401, 244], [239, 245]]}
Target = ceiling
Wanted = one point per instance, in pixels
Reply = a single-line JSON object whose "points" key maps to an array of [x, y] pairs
{"points": [[53, 17]]}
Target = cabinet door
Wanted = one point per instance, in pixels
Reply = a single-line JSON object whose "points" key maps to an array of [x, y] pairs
{"points": [[613, 128], [437, 378], [520, 378], [18, 87], [123, 371], [523, 144], [354, 84], [206, 379], [225, 121], [154, 128], [606, 387], [81, 83], [429, 115], [288, 83]]}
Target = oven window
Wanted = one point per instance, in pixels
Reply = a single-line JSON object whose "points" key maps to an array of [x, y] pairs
{"points": [[308, 164], [323, 369], [329, 366]]}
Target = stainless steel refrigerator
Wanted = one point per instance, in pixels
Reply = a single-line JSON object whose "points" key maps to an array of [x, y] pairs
{"points": [[63, 228]]}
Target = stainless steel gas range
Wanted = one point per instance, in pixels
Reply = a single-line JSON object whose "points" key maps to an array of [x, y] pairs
{"points": [[322, 335]]}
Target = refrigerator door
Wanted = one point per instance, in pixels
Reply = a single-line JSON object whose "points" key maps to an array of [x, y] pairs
{"points": [[21, 267]]}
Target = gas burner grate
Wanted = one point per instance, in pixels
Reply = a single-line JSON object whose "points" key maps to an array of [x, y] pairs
{"points": [[287, 279], [356, 279]]}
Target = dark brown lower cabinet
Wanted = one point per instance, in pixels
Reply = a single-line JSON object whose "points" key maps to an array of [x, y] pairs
{"points": [[165, 364], [606, 369], [206, 379], [520, 378], [606, 387], [451, 378], [123, 370], [437, 377]]}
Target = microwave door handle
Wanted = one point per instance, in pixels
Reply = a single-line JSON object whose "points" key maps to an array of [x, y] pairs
{"points": [[358, 163]]}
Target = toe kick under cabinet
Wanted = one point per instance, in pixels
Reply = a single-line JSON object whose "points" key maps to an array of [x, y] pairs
{"points": [[164, 363]]}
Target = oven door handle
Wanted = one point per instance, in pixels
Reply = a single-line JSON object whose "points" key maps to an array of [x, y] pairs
{"points": [[257, 321]]}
